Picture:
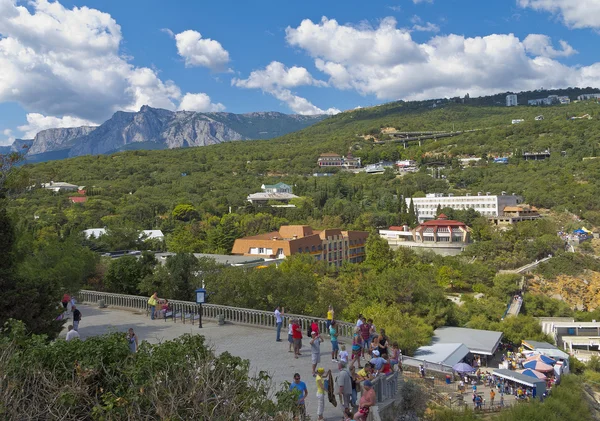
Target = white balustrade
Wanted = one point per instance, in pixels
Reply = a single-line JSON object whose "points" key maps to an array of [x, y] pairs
{"points": [[189, 310]]}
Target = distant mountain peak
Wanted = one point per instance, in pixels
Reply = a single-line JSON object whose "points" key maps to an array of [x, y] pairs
{"points": [[152, 128]]}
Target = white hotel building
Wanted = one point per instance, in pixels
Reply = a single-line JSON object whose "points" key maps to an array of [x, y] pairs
{"points": [[486, 204]]}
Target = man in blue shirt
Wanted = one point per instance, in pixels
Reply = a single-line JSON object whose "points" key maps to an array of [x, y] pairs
{"points": [[300, 388], [377, 362]]}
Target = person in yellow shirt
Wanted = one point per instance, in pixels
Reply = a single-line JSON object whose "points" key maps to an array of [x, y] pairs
{"points": [[365, 373], [152, 302], [329, 317], [320, 379]]}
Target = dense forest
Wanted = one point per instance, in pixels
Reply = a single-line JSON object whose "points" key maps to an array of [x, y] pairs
{"points": [[197, 197]]}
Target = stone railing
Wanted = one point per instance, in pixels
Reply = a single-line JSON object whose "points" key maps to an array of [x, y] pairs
{"points": [[189, 311], [386, 391]]}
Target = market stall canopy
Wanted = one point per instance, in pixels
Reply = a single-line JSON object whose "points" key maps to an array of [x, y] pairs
{"points": [[532, 373], [462, 368], [520, 378], [538, 366], [543, 358]]}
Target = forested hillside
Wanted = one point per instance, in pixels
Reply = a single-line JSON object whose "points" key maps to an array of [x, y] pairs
{"points": [[197, 196]]}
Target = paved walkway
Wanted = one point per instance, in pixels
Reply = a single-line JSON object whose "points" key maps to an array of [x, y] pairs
{"points": [[252, 343]]}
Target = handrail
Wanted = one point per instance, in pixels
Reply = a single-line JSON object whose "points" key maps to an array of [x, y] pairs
{"points": [[189, 310]]}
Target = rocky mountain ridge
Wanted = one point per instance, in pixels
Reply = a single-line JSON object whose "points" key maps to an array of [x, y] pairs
{"points": [[154, 128]]}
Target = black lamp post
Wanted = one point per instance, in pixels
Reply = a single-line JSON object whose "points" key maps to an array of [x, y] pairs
{"points": [[200, 299]]}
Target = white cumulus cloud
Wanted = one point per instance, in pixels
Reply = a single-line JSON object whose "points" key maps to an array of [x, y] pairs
{"points": [[276, 79], [9, 138], [56, 61], [199, 102], [386, 62], [203, 52], [37, 122], [575, 13], [541, 45]]}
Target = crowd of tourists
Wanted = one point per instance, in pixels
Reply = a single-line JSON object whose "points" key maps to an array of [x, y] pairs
{"points": [[369, 355]]}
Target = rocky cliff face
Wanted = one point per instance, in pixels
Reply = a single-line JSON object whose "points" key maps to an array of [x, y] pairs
{"points": [[153, 128], [166, 128], [57, 139]]}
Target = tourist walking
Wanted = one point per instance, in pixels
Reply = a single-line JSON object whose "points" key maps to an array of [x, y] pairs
{"points": [[315, 350], [76, 317], [279, 322], [367, 400], [492, 396], [330, 314], [132, 340], [71, 334], [320, 381], [344, 382], [297, 337], [152, 302], [334, 341], [299, 387], [422, 370], [356, 347], [290, 337], [65, 301]]}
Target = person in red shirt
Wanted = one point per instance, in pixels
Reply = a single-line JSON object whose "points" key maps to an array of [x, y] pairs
{"points": [[365, 333], [314, 327], [297, 337], [65, 300]]}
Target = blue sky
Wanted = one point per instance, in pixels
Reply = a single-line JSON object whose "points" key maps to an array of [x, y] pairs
{"points": [[76, 62]]}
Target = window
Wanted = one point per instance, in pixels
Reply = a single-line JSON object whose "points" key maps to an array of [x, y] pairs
{"points": [[261, 250]]}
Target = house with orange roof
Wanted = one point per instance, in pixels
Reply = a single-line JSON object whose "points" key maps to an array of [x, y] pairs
{"points": [[331, 245]]}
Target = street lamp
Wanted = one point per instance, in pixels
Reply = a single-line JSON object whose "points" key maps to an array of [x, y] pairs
{"points": [[200, 299]]}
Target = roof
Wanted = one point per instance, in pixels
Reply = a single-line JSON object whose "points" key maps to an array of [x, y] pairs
{"points": [[150, 234], [330, 154], [271, 196], [54, 184], [519, 378], [275, 186], [484, 342], [96, 232], [442, 353], [443, 223], [538, 345], [78, 199], [222, 259]]}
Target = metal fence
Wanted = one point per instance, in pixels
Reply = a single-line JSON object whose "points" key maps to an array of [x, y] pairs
{"points": [[187, 311]]}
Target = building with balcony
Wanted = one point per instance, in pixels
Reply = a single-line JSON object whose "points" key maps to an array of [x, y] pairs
{"points": [[331, 245], [486, 204], [276, 188], [280, 193], [441, 236], [513, 214], [334, 160]]}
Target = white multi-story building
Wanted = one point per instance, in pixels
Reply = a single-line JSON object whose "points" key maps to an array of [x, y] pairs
{"points": [[585, 97], [486, 204], [511, 100]]}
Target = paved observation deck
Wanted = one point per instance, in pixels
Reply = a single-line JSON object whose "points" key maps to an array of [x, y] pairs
{"points": [[255, 343]]}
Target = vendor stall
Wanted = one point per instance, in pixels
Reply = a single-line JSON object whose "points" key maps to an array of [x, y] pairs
{"points": [[537, 386]]}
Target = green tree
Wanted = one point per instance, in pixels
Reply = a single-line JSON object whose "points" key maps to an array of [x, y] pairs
{"points": [[379, 254], [184, 212], [123, 275]]}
